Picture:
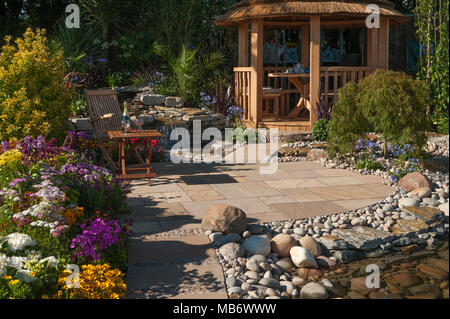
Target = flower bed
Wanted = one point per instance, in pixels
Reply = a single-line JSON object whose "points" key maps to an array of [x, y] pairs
{"points": [[58, 211]]}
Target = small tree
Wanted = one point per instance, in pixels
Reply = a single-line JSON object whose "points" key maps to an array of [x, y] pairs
{"points": [[347, 124], [387, 102], [33, 100]]}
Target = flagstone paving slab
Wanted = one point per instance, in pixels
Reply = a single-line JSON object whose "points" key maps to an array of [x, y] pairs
{"points": [[276, 199], [204, 195], [357, 203], [379, 189], [180, 281], [343, 192], [245, 190], [302, 195], [147, 250], [170, 197], [339, 181], [324, 172], [294, 183], [307, 209], [139, 228]]}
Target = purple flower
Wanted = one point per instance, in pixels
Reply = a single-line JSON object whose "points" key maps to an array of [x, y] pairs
{"points": [[95, 238], [16, 181]]}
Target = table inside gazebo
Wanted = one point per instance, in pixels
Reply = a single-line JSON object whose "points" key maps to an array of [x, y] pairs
{"points": [[301, 82]]}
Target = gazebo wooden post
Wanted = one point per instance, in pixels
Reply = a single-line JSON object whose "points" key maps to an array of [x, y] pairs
{"points": [[304, 57], [243, 45], [314, 60], [372, 47], [378, 45], [257, 75], [383, 43]]}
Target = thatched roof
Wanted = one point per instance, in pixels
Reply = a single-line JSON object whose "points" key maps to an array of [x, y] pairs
{"points": [[298, 10]]}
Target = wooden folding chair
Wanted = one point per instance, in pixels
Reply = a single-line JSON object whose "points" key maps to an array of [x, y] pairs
{"points": [[105, 115]]}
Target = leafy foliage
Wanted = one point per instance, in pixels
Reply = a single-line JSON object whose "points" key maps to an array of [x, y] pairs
{"points": [[431, 18], [386, 102], [33, 99], [188, 69], [320, 130]]}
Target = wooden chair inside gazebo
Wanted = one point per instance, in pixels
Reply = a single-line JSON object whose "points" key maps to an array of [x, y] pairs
{"points": [[309, 17]]}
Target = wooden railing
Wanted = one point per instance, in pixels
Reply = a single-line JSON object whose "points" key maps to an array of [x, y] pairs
{"points": [[242, 82], [333, 78]]}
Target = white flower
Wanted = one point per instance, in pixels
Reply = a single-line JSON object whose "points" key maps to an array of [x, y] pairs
{"points": [[18, 241], [3, 264], [16, 262], [51, 261]]}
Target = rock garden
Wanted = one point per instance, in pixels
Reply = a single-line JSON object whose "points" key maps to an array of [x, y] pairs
{"points": [[405, 236]]}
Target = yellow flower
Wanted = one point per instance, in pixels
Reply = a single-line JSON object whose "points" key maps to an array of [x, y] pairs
{"points": [[13, 282], [7, 277], [96, 282], [44, 297], [11, 159]]}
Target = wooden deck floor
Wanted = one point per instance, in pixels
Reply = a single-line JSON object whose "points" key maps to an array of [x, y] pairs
{"points": [[287, 125]]}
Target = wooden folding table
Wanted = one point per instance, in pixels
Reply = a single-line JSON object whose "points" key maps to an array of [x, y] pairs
{"points": [[145, 137], [301, 82]]}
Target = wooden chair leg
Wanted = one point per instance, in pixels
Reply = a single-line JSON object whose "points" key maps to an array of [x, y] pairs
{"points": [[106, 155]]}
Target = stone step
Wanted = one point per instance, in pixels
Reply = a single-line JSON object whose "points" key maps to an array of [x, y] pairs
{"points": [[148, 250], [176, 281]]}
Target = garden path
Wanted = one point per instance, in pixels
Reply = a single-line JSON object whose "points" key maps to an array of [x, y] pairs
{"points": [[169, 256]]}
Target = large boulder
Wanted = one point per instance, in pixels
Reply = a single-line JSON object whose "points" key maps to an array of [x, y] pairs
{"points": [[311, 244], [174, 101], [302, 258], [413, 181], [282, 244], [225, 219], [257, 245], [152, 99]]}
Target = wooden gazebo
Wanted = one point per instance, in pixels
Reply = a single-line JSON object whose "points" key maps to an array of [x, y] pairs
{"points": [[273, 98]]}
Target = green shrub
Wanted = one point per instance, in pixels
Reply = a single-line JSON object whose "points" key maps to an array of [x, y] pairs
{"points": [[368, 163], [386, 102], [33, 99], [320, 130]]}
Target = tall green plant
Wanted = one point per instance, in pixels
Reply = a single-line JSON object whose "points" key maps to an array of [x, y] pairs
{"points": [[188, 70], [76, 44], [431, 19]]}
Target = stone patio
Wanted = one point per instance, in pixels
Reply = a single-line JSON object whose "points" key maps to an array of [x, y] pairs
{"points": [[169, 257]]}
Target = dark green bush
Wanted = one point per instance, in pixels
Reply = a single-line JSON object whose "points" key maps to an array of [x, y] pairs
{"points": [[320, 130], [386, 102]]}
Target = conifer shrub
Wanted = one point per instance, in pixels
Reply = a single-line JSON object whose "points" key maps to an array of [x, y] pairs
{"points": [[33, 99], [386, 102]]}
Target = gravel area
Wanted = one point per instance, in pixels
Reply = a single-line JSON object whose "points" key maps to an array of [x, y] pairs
{"points": [[254, 271]]}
